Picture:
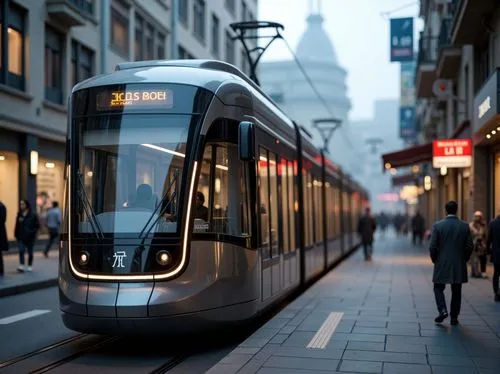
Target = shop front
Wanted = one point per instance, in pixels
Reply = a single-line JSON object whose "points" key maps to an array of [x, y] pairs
{"points": [[486, 130], [30, 168]]}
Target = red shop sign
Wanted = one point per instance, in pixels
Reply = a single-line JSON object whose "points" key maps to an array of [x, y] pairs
{"points": [[452, 153]]}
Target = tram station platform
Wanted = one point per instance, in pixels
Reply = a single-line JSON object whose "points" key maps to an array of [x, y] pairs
{"points": [[376, 317]]}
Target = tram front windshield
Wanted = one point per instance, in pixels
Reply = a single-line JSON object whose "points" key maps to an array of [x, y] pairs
{"points": [[130, 171]]}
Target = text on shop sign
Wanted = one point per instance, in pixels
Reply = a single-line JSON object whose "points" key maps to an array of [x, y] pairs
{"points": [[452, 153], [484, 107]]}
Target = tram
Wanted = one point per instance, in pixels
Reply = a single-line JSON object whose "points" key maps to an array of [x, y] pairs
{"points": [[192, 201]]}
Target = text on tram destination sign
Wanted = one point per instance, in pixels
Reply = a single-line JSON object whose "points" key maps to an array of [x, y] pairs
{"points": [[118, 99]]}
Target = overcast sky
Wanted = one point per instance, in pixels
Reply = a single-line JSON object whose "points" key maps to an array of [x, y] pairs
{"points": [[360, 36]]}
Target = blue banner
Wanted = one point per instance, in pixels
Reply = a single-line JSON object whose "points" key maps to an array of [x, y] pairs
{"points": [[407, 123], [402, 39]]}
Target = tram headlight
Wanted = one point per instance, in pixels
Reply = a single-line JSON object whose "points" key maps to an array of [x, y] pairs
{"points": [[84, 258], [163, 258]]}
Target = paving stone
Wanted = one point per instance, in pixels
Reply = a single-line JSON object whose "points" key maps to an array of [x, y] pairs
{"points": [[392, 368], [302, 363], [443, 360], [328, 353], [358, 337], [453, 370], [446, 350], [405, 358], [360, 366], [364, 323], [236, 359], [279, 338], [365, 346], [405, 348]]}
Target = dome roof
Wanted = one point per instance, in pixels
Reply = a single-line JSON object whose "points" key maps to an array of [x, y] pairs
{"points": [[315, 43]]}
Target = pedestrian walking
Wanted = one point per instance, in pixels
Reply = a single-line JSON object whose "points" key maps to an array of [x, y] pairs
{"points": [[53, 223], [478, 258], [418, 228], [366, 229], [450, 249], [4, 243], [26, 229], [493, 244]]}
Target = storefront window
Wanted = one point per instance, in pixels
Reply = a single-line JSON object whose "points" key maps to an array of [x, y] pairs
{"points": [[50, 187], [9, 188], [496, 203]]}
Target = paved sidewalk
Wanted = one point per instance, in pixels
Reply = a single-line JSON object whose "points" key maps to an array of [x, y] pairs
{"points": [[387, 325], [45, 273]]}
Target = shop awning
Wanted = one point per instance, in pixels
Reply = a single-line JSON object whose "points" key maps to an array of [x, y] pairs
{"points": [[407, 157], [401, 180]]}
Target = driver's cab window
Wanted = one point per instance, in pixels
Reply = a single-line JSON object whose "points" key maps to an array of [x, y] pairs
{"points": [[221, 201]]}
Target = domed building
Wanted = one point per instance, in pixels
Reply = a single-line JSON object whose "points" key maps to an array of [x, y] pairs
{"points": [[289, 88]]}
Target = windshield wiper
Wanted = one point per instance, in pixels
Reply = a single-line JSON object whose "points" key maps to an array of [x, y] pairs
{"points": [[173, 183], [87, 207]]}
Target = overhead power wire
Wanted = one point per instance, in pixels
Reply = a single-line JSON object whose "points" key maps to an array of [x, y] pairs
{"points": [[320, 97], [388, 13]]}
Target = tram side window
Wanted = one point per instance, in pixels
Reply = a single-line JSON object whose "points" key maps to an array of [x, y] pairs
{"points": [[330, 232], [308, 209], [222, 197], [346, 208], [273, 199], [318, 209], [285, 214], [338, 216], [265, 229], [292, 195]]}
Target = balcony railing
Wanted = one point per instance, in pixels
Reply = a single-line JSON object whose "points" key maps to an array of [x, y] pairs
{"points": [[427, 49], [445, 33]]}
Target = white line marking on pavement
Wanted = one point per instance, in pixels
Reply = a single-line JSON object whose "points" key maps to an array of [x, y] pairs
{"points": [[325, 332], [21, 316]]}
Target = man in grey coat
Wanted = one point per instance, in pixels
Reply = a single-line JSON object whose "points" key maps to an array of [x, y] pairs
{"points": [[450, 249]]}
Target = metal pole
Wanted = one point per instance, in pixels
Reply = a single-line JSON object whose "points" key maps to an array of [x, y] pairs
{"points": [[173, 32], [105, 29]]}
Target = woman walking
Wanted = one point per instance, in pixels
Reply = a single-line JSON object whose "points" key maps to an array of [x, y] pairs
{"points": [[479, 231], [27, 226]]}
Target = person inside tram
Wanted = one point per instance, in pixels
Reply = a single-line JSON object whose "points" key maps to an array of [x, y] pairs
{"points": [[201, 210], [144, 198]]}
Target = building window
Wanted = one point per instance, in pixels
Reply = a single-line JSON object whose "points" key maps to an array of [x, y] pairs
{"points": [[53, 65], [244, 62], [82, 63], [199, 19], [229, 48], [86, 6], [243, 11], [184, 12], [49, 186], [160, 46], [12, 47], [231, 6], [145, 41], [119, 32], [139, 24], [9, 188], [215, 35], [183, 54]]}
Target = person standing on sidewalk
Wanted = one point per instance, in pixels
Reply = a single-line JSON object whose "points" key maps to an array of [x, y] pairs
{"points": [[53, 223], [27, 226], [366, 228], [4, 243], [418, 228], [478, 258], [493, 244], [450, 249]]}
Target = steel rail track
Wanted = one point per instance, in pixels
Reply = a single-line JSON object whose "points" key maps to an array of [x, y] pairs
{"points": [[26, 356]]}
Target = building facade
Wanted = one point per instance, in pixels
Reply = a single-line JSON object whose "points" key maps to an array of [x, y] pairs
{"points": [[457, 85], [47, 46]]}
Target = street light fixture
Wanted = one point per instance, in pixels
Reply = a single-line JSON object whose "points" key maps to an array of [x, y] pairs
{"points": [[326, 127]]}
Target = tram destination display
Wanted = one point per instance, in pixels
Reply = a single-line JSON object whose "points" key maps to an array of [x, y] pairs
{"points": [[135, 98]]}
